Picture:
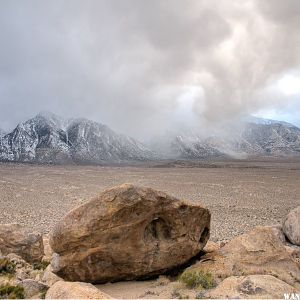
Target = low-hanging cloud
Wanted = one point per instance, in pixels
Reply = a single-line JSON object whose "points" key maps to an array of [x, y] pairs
{"points": [[130, 64]]}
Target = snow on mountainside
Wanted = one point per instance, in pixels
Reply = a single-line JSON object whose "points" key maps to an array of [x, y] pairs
{"points": [[258, 137], [49, 138], [2, 132], [91, 141]]}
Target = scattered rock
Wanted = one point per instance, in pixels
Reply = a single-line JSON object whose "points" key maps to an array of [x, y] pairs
{"points": [[128, 232], [259, 251], [33, 288], [74, 290], [161, 281], [49, 277], [291, 226], [22, 268], [16, 239], [250, 287]]}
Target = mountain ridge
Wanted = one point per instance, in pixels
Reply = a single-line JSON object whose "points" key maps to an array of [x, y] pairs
{"points": [[48, 138], [255, 138], [51, 139]]}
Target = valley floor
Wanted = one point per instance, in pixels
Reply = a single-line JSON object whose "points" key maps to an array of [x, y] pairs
{"points": [[240, 194]]}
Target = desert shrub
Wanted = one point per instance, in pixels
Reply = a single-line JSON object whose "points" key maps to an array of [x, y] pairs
{"points": [[41, 265], [43, 295], [11, 292], [6, 266], [197, 279]]}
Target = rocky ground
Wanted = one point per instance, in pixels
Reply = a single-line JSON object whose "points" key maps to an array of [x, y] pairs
{"points": [[240, 195], [134, 233]]}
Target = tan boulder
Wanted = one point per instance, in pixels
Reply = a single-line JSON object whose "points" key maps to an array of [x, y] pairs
{"points": [[291, 226], [250, 287], [14, 238], [127, 232], [259, 251], [74, 290], [49, 277]]}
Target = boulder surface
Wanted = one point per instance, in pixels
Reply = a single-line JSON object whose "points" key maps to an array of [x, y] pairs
{"points": [[251, 287], [128, 232], [259, 251], [74, 290], [14, 238], [291, 226]]}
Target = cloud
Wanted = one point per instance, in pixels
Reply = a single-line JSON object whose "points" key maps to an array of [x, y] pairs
{"points": [[130, 63]]}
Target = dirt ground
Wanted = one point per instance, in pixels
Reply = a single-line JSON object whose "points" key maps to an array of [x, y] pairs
{"points": [[240, 194]]}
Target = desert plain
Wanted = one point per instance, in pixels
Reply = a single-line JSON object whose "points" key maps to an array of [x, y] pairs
{"points": [[239, 194]]}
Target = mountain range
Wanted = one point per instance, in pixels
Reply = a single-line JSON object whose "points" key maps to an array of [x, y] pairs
{"points": [[269, 138], [48, 138]]}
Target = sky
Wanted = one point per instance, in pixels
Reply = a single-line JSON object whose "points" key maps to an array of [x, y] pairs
{"points": [[145, 67]]}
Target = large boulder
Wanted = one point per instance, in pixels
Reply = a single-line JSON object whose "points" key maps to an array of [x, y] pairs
{"points": [[14, 238], [251, 287], [259, 251], [291, 226], [128, 232], [74, 290]]}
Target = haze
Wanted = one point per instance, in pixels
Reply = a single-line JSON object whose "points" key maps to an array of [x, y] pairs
{"points": [[147, 67]]}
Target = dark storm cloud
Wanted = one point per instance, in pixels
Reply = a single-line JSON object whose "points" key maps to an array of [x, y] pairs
{"points": [[130, 63]]}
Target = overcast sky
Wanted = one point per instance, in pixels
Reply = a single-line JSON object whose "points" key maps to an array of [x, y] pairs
{"points": [[143, 67]]}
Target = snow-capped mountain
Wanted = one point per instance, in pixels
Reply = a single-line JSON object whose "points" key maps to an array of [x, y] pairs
{"points": [[257, 137], [49, 138], [90, 141]]}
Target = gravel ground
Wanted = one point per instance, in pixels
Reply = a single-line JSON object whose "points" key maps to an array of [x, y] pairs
{"points": [[240, 195]]}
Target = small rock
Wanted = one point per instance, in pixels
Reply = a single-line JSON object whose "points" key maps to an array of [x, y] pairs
{"points": [[49, 277], [277, 229], [74, 290], [291, 226], [33, 287], [250, 287]]}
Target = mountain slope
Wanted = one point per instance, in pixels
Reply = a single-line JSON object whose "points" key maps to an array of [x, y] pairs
{"points": [[48, 138], [271, 139], [90, 141], [257, 137], [2, 132]]}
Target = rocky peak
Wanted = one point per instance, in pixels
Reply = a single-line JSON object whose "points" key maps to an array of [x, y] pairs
{"points": [[50, 138]]}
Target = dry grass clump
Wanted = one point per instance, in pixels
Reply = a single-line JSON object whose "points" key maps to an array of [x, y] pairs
{"points": [[8, 291], [7, 266], [197, 279]]}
